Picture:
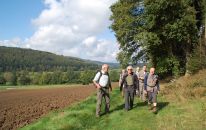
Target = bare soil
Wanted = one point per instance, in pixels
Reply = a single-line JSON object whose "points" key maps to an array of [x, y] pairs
{"points": [[19, 107]]}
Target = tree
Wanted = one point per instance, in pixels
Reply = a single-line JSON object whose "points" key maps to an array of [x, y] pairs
{"points": [[65, 77], [114, 75], [10, 78], [45, 78], [23, 78], [162, 32], [56, 77], [2, 80], [86, 76], [35, 77]]}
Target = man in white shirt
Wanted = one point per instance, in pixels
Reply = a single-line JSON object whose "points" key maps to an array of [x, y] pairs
{"points": [[102, 83]]}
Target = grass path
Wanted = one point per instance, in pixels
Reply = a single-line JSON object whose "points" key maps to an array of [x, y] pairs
{"points": [[190, 115]]}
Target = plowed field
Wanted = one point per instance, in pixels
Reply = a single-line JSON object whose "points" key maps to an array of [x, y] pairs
{"points": [[20, 107]]}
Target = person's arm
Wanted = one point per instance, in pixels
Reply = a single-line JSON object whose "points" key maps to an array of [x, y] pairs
{"points": [[110, 85], [120, 79], [145, 82], [95, 80], [158, 85], [122, 82], [136, 83]]}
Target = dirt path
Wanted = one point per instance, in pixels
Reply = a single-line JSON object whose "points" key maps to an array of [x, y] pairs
{"points": [[21, 107]]}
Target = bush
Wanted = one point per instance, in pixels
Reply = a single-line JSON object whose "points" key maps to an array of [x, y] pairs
{"points": [[114, 75], [23, 78], [2, 80], [10, 78], [87, 76]]}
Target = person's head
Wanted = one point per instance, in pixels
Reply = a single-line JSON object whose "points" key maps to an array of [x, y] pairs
{"points": [[129, 69], [144, 68], [123, 71], [137, 69], [105, 67], [152, 70]]}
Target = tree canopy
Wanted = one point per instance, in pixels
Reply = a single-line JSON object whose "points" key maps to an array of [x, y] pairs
{"points": [[161, 32]]}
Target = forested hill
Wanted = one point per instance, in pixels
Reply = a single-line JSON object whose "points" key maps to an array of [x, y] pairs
{"points": [[16, 59]]}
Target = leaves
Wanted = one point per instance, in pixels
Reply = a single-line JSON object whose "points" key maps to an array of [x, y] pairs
{"points": [[164, 32]]}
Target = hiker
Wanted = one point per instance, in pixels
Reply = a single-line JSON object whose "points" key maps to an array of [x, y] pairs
{"points": [[120, 80], [137, 73], [103, 84], [130, 84], [152, 87], [141, 77]]}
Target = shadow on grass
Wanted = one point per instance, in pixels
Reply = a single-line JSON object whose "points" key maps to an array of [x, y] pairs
{"points": [[119, 107], [162, 105], [140, 104]]}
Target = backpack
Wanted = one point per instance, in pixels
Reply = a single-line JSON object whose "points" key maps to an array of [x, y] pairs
{"points": [[103, 74]]}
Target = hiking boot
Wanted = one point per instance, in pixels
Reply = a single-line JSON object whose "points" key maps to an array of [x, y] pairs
{"points": [[150, 107], [154, 110]]}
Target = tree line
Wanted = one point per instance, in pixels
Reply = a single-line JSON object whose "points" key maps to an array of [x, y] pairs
{"points": [[18, 59], [47, 78], [166, 34]]}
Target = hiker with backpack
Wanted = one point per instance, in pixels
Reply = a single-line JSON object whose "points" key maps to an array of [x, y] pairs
{"points": [[130, 84], [141, 76], [151, 86], [103, 84]]}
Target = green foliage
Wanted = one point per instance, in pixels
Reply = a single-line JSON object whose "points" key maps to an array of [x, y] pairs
{"points": [[114, 75], [35, 77], [2, 80], [10, 78], [87, 76], [17, 59], [23, 78], [168, 66], [165, 33], [197, 61], [45, 78]]}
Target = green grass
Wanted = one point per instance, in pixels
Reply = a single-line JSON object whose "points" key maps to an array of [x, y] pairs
{"points": [[190, 115]]}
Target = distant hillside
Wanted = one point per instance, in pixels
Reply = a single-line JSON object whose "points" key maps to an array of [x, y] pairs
{"points": [[15, 59], [112, 65]]}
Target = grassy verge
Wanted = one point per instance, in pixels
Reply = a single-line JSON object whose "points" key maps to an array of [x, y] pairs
{"points": [[172, 115]]}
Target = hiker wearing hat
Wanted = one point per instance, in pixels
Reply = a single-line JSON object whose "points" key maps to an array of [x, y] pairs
{"points": [[130, 84], [103, 84], [152, 87]]}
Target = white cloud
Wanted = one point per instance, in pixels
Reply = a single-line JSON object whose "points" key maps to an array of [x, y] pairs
{"points": [[71, 27], [15, 42]]}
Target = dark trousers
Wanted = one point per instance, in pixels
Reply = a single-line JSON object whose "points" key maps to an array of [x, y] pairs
{"points": [[102, 93], [129, 97]]}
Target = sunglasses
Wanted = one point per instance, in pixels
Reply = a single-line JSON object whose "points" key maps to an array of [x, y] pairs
{"points": [[129, 69]]}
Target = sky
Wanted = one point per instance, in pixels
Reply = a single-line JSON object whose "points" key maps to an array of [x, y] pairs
{"points": [[76, 28]]}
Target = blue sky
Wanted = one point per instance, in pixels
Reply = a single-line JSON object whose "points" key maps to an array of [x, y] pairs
{"points": [[15, 17], [67, 27]]}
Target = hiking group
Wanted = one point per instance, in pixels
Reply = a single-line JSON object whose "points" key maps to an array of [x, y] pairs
{"points": [[140, 83]]}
